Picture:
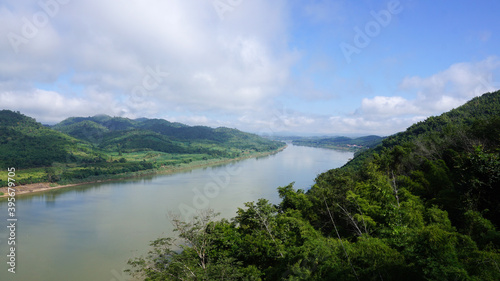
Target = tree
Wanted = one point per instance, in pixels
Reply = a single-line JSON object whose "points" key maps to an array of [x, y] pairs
{"points": [[198, 259]]}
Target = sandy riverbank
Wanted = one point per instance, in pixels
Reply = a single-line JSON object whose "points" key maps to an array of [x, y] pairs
{"points": [[45, 186]]}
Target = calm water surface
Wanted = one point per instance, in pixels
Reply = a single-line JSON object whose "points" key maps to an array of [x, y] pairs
{"points": [[89, 232]]}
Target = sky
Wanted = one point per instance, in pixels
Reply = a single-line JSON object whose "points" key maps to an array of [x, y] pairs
{"points": [[306, 67]]}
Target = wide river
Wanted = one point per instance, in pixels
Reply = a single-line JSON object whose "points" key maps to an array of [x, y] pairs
{"points": [[88, 232]]}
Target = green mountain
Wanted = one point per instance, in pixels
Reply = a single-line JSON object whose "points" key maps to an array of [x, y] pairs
{"points": [[24, 143], [87, 130], [116, 133], [422, 205], [100, 147]]}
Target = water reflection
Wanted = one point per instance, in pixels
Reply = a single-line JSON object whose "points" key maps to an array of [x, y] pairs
{"points": [[65, 232]]}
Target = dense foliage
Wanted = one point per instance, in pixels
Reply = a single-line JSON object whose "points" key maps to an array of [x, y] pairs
{"points": [[24, 143], [423, 205]]}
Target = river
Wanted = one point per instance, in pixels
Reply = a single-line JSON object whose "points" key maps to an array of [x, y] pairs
{"points": [[88, 232]]}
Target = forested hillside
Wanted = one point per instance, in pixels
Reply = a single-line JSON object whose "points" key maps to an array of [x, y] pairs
{"points": [[99, 147], [24, 143], [423, 205], [160, 135]]}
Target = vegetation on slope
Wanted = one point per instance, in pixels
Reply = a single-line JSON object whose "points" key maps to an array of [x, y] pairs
{"points": [[99, 147], [24, 143], [423, 205], [122, 133]]}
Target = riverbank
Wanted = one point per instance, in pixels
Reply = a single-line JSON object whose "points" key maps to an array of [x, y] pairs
{"points": [[165, 170]]}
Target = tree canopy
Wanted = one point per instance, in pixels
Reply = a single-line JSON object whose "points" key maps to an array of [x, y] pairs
{"points": [[422, 205]]}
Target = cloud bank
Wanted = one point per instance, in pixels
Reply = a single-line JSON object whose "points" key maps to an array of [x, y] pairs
{"points": [[199, 63]]}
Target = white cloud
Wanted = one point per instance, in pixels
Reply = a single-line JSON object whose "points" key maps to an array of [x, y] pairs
{"points": [[388, 106], [364, 126], [231, 65], [98, 57], [453, 86], [435, 94], [39, 102], [423, 97]]}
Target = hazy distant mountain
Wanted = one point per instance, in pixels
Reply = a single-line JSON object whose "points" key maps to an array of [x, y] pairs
{"points": [[25, 143], [107, 131], [340, 142]]}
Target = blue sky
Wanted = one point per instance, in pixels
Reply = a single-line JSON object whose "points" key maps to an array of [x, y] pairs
{"points": [[270, 67]]}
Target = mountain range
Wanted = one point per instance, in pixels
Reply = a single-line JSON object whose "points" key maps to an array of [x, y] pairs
{"points": [[89, 146]]}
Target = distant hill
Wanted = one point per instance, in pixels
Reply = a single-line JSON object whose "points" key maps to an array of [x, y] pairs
{"points": [[25, 143], [341, 143], [157, 134], [87, 130], [98, 147]]}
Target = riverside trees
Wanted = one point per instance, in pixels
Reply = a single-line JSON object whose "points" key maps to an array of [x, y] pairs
{"points": [[423, 205]]}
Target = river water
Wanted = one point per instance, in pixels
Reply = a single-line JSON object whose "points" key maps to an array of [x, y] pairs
{"points": [[89, 232]]}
